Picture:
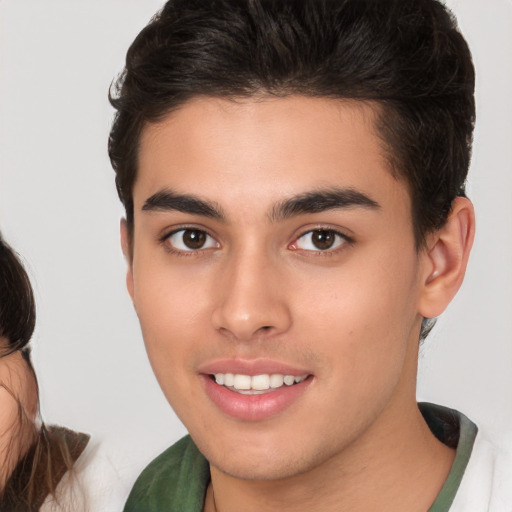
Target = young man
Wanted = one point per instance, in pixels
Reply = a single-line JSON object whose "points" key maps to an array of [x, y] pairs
{"points": [[293, 177]]}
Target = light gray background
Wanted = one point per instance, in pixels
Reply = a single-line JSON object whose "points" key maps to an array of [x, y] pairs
{"points": [[59, 209]]}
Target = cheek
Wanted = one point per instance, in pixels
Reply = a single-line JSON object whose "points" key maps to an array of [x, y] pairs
{"points": [[166, 297], [364, 314], [173, 314]]}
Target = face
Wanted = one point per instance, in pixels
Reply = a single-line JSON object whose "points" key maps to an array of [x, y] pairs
{"points": [[18, 382], [18, 403], [276, 280]]}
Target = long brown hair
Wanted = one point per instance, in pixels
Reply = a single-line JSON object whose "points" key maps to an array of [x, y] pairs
{"points": [[42, 454]]}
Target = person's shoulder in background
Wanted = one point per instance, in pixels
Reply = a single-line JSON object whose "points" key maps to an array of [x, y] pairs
{"points": [[95, 484]]}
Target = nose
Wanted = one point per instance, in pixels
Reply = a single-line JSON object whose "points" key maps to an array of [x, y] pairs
{"points": [[252, 299]]}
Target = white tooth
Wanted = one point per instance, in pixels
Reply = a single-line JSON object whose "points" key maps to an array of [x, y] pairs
{"points": [[260, 382], [289, 380], [219, 379], [250, 392], [242, 381], [299, 379], [229, 379], [276, 380]]}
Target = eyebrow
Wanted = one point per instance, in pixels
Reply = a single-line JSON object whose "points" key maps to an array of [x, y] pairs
{"points": [[167, 200], [321, 201], [308, 202]]}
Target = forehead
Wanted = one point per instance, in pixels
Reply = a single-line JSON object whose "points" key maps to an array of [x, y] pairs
{"points": [[265, 148]]}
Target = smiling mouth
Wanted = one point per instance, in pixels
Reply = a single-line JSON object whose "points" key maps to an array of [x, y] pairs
{"points": [[256, 384]]}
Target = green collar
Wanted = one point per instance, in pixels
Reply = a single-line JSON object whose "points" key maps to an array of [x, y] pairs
{"points": [[457, 431]]}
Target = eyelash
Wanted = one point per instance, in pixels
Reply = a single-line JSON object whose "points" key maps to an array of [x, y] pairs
{"points": [[165, 241], [345, 239]]}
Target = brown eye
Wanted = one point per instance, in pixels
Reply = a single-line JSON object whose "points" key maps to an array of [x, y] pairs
{"points": [[320, 240], [191, 240]]}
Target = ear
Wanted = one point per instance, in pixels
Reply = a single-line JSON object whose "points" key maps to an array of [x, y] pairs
{"points": [[126, 246], [446, 259]]}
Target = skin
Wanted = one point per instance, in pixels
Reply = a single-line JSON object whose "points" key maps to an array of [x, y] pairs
{"points": [[258, 289], [18, 403]]}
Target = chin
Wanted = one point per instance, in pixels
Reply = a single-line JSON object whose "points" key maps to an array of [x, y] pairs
{"points": [[249, 463], [269, 470]]}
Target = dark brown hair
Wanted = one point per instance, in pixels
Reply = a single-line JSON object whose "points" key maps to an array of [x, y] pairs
{"points": [[17, 305], [406, 55]]}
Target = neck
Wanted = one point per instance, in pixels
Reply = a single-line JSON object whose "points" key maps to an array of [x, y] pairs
{"points": [[405, 473]]}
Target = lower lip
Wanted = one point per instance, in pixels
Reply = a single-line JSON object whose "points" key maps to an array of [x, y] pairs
{"points": [[254, 407]]}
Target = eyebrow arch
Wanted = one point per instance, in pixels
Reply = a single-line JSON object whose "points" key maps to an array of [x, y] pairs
{"points": [[321, 201], [167, 200]]}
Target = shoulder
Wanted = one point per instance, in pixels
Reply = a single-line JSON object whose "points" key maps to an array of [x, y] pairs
{"points": [[487, 480], [37, 475], [481, 475], [93, 484], [176, 480]]}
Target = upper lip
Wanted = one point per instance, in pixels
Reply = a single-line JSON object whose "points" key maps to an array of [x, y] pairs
{"points": [[251, 367]]}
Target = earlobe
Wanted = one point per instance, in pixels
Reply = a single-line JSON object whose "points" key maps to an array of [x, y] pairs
{"points": [[126, 246], [446, 259]]}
